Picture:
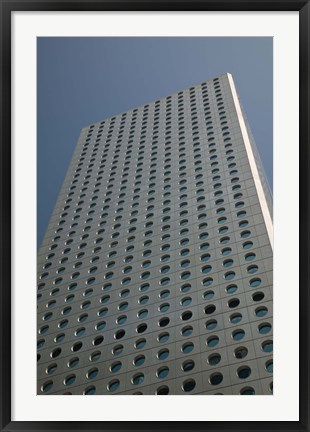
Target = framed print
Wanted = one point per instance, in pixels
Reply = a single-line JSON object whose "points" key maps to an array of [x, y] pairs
{"points": [[158, 187]]}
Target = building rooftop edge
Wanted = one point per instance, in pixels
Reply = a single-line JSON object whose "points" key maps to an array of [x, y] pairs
{"points": [[161, 97]]}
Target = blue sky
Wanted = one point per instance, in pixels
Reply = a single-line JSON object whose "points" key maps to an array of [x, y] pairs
{"points": [[84, 80]]}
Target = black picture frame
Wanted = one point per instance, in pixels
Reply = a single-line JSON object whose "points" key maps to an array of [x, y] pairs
{"points": [[9, 6]]}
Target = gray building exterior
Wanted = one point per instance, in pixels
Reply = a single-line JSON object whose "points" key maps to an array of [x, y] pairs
{"points": [[155, 272]]}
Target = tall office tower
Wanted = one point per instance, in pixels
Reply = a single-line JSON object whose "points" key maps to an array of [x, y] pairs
{"points": [[155, 273]]}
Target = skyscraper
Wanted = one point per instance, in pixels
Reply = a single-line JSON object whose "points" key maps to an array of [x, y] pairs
{"points": [[155, 273]]}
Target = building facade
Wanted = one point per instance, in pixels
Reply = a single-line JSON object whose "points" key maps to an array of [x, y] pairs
{"points": [[155, 273]]}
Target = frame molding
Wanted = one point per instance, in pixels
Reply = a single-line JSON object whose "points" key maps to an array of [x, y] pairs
{"points": [[6, 8]]}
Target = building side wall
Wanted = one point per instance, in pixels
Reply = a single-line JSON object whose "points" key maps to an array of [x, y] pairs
{"points": [[145, 264]]}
